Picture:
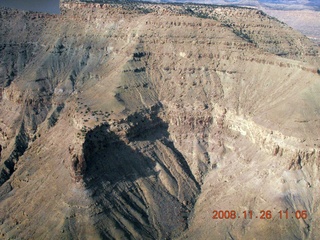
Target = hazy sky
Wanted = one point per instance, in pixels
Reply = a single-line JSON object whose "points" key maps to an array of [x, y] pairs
{"points": [[51, 6]]}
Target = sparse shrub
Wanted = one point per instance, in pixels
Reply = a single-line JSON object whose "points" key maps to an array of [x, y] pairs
{"points": [[202, 15], [190, 11], [243, 35]]}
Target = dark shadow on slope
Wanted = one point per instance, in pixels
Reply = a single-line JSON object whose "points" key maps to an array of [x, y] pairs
{"points": [[112, 169], [122, 178], [110, 159]]}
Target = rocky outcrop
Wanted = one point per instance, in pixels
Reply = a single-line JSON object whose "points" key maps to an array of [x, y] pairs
{"points": [[20, 145], [77, 164]]}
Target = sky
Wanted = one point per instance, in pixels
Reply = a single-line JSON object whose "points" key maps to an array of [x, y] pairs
{"points": [[50, 6]]}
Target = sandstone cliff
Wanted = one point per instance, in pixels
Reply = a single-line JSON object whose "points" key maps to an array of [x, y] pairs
{"points": [[137, 120]]}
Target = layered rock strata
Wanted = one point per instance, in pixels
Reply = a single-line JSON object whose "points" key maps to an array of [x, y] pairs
{"points": [[138, 120]]}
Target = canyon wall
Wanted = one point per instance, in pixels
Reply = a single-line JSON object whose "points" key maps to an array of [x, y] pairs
{"points": [[138, 120]]}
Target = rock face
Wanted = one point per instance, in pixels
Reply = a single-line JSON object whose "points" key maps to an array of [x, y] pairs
{"points": [[138, 120]]}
